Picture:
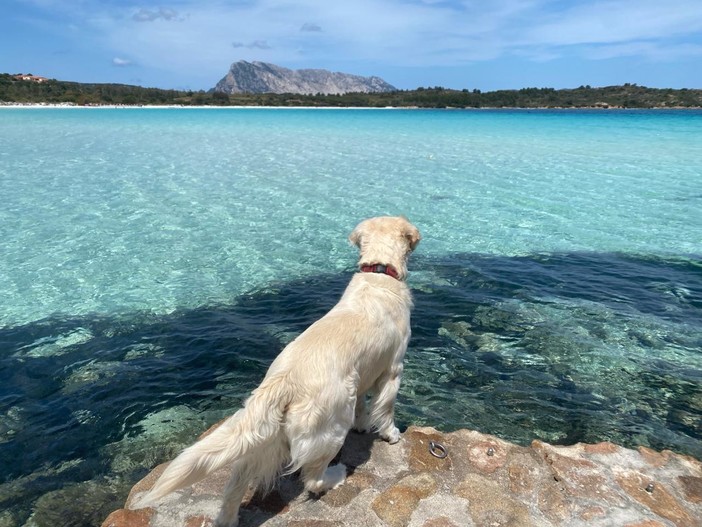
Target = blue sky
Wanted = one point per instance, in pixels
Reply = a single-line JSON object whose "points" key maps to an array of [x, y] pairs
{"points": [[484, 44]]}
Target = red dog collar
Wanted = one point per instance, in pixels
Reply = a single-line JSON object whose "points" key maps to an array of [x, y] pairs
{"points": [[382, 269]]}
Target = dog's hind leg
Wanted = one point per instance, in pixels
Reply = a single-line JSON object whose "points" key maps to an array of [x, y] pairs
{"points": [[361, 422], [313, 454], [314, 451], [233, 494], [259, 470], [319, 477], [316, 430]]}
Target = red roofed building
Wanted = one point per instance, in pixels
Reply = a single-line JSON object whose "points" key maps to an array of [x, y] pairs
{"points": [[29, 77]]}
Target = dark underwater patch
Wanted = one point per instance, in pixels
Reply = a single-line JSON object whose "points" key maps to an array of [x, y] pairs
{"points": [[561, 347]]}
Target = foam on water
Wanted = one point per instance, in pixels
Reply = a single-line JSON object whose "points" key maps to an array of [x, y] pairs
{"points": [[154, 262]]}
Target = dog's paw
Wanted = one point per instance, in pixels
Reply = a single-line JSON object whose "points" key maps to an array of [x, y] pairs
{"points": [[393, 436], [334, 476]]}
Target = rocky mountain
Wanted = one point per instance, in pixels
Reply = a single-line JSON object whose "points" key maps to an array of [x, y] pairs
{"points": [[262, 77]]}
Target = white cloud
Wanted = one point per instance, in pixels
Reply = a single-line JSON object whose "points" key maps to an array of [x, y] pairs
{"points": [[147, 15], [649, 50], [310, 27], [617, 21], [120, 62], [210, 34], [256, 44]]}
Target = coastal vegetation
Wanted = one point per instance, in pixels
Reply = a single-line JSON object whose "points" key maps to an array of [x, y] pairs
{"points": [[15, 90]]}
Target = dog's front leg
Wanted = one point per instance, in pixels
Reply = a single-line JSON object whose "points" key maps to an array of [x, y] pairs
{"points": [[382, 411], [361, 421]]}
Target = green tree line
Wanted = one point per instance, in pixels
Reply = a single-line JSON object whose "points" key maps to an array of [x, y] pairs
{"points": [[626, 96]]}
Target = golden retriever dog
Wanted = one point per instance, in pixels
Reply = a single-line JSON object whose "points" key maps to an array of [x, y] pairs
{"points": [[315, 391]]}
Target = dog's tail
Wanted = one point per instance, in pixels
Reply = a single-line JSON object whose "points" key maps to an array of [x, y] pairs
{"points": [[255, 425]]}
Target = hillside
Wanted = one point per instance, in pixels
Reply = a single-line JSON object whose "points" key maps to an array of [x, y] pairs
{"points": [[261, 77], [14, 91]]}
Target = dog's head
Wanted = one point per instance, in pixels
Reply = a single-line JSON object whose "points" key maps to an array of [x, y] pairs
{"points": [[386, 240]]}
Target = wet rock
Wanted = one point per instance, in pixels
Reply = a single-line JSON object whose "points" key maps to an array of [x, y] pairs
{"points": [[482, 481], [657, 497], [396, 505], [578, 477], [692, 487], [352, 487], [653, 458], [441, 521], [491, 504], [137, 518]]}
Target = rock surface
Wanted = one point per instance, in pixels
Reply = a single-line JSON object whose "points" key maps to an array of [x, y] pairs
{"points": [[483, 481], [261, 77]]}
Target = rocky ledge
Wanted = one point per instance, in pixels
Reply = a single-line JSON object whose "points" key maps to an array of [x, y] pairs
{"points": [[482, 481]]}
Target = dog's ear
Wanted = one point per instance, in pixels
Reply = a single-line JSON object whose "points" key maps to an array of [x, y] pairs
{"points": [[413, 236], [355, 236]]}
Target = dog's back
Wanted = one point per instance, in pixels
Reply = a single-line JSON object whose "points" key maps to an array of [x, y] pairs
{"points": [[315, 390]]}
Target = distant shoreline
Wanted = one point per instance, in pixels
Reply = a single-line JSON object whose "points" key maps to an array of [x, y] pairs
{"points": [[262, 107], [59, 93]]}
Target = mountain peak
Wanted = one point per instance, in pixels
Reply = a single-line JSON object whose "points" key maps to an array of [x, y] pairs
{"points": [[263, 77]]}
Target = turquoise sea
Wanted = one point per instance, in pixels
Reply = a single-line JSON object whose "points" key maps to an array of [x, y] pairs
{"points": [[153, 262]]}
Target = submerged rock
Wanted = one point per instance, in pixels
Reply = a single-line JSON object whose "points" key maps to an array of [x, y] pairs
{"points": [[55, 346], [89, 374], [163, 434], [89, 501], [482, 481], [459, 332], [10, 423]]}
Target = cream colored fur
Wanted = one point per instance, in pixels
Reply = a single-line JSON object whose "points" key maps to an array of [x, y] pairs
{"points": [[315, 390]]}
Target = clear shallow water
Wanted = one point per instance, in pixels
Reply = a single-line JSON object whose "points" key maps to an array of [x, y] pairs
{"points": [[153, 262]]}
